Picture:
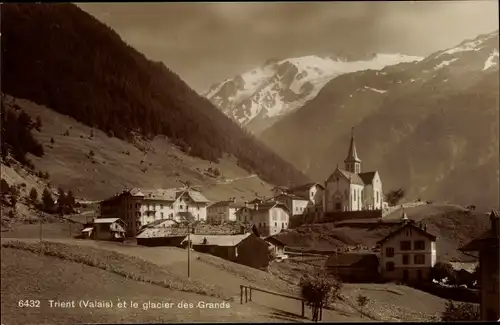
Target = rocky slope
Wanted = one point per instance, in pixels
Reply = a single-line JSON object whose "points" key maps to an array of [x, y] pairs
{"points": [[258, 98], [430, 126]]}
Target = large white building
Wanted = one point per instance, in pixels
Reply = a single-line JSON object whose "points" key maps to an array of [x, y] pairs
{"points": [[139, 207], [408, 253], [349, 189]]}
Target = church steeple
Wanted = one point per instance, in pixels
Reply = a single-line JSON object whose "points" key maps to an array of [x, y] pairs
{"points": [[352, 162]]}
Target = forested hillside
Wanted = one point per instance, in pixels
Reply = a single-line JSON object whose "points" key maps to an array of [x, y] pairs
{"points": [[61, 57]]}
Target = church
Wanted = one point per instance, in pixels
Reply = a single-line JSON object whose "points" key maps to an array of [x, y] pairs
{"points": [[349, 189]]}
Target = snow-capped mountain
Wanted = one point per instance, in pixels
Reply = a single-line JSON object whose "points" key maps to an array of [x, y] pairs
{"points": [[428, 126], [258, 98]]}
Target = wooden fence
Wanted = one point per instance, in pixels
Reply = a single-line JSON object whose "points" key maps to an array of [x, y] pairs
{"points": [[246, 296]]}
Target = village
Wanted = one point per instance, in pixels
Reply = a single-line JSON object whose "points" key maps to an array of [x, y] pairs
{"points": [[248, 232]]}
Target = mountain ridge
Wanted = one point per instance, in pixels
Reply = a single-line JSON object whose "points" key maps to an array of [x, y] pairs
{"points": [[258, 98], [446, 103]]}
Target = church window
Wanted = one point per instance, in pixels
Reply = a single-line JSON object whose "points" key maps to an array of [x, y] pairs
{"points": [[354, 195], [376, 199]]}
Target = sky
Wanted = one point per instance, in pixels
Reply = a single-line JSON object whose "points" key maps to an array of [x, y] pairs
{"points": [[205, 43]]}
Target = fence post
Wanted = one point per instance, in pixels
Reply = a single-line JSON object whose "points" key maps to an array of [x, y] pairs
{"points": [[302, 309], [250, 293], [246, 294], [241, 294]]}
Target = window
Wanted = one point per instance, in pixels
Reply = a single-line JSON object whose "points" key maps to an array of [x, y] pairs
{"points": [[161, 206], [419, 259], [405, 245], [276, 224], [376, 198], [161, 215], [338, 206], [282, 225], [264, 224], [406, 259], [419, 245], [354, 195], [389, 252], [389, 266]]}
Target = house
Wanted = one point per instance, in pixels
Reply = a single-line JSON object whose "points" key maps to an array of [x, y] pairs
{"points": [[354, 267], [246, 249], [268, 217], [275, 245], [407, 253], [487, 245], [139, 207], [313, 192], [223, 211], [297, 205], [350, 189], [108, 229]]}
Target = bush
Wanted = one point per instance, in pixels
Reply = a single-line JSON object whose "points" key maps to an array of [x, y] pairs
{"points": [[460, 312], [442, 270], [33, 197]]}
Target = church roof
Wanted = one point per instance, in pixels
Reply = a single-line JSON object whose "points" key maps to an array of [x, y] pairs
{"points": [[353, 177], [367, 177], [352, 155]]}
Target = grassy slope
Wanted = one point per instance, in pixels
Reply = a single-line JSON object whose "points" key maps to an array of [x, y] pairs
{"points": [[452, 225], [69, 167], [154, 263], [59, 279]]}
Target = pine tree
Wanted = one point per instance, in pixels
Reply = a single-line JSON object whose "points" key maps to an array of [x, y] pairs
{"points": [[47, 201], [33, 196], [61, 201], [70, 201]]}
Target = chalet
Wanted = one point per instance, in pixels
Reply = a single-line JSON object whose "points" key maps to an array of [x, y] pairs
{"points": [[275, 245], [277, 190], [246, 249], [223, 211], [407, 253], [354, 267], [487, 245], [108, 229]]}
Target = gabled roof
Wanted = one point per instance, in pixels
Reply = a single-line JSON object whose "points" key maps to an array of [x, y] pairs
{"points": [[194, 195], [404, 226], [87, 229], [271, 204], [352, 260], [107, 220], [352, 177], [305, 187], [217, 240], [275, 241], [292, 196], [163, 232], [230, 204], [488, 239], [367, 177]]}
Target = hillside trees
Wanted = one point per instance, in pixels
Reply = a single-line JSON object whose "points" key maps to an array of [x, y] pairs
{"points": [[47, 201], [110, 86], [394, 196]]}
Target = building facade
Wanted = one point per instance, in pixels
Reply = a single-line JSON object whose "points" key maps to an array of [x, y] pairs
{"points": [[269, 218], [487, 246], [407, 254], [139, 207], [350, 189], [223, 211]]}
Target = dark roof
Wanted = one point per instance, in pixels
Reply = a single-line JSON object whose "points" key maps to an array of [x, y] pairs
{"points": [[352, 155], [488, 239], [274, 241], [406, 225], [231, 204], [293, 196], [256, 201], [304, 187], [271, 204], [352, 260], [367, 177]]}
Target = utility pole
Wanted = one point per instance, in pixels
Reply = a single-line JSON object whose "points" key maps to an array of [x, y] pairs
{"points": [[189, 251]]}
